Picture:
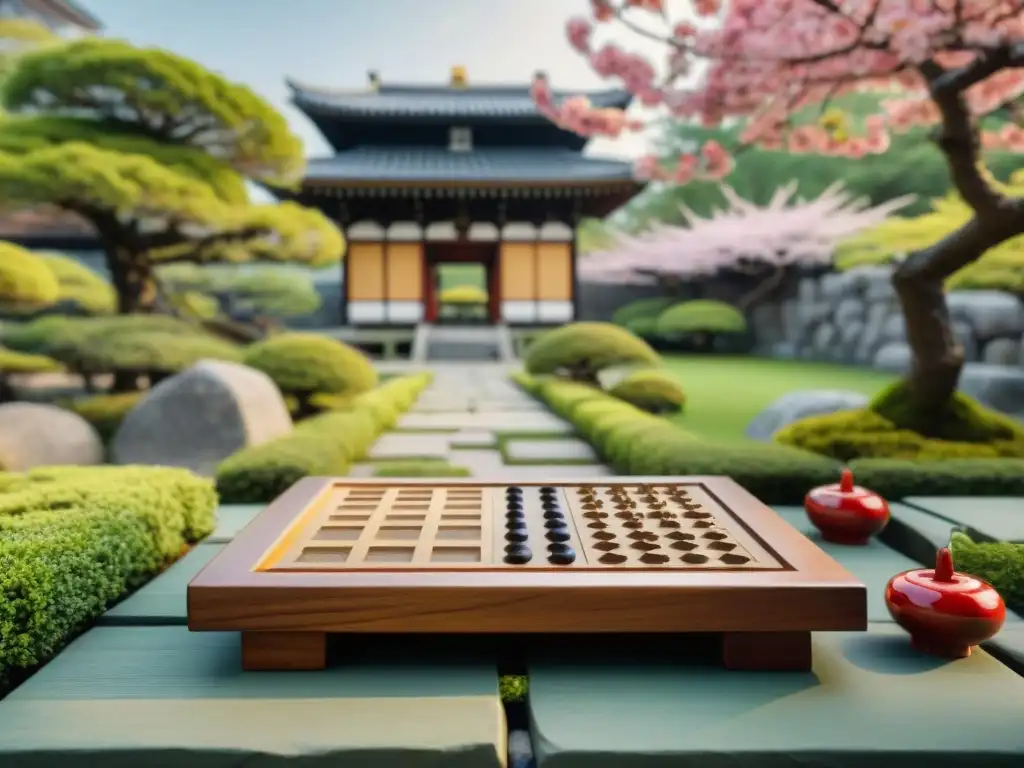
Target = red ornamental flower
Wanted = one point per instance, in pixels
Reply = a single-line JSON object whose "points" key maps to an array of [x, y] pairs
{"points": [[654, 6], [707, 7], [603, 10]]}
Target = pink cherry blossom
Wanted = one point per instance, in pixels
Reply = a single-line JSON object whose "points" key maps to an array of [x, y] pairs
{"points": [[763, 61]]}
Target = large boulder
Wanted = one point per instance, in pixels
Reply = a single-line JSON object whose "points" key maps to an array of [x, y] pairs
{"points": [[801, 404], [41, 435], [201, 416], [988, 313], [999, 387]]}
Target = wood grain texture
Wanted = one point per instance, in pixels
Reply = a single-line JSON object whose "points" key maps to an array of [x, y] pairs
{"points": [[810, 592], [767, 651], [284, 651]]}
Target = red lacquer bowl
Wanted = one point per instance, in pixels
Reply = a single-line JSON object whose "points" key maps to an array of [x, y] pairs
{"points": [[946, 613], [846, 513]]}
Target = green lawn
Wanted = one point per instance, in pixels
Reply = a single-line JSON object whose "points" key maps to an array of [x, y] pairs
{"points": [[454, 275], [723, 394]]}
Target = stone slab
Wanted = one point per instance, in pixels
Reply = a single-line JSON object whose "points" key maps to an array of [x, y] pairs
{"points": [[498, 421], [994, 518], [425, 445], [232, 518], [1008, 647], [871, 702], [874, 564], [164, 697], [162, 600], [916, 533], [549, 451]]}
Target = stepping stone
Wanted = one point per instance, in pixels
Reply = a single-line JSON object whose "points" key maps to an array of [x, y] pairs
{"points": [[1008, 647], [232, 518], [397, 445], [361, 470], [163, 696], [474, 438], [162, 600], [498, 421], [917, 534], [874, 564], [549, 451], [996, 518], [538, 473], [870, 701]]}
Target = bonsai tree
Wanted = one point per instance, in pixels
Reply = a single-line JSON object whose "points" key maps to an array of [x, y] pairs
{"points": [[26, 282], [152, 150], [465, 301], [700, 322], [580, 351], [304, 365], [12, 363], [945, 64], [276, 292]]}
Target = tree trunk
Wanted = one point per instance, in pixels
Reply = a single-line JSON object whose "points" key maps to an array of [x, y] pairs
{"points": [[130, 271], [6, 390], [937, 359], [125, 381]]}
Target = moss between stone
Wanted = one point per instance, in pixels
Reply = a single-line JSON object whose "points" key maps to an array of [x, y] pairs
{"points": [[890, 428], [1001, 564], [422, 468], [513, 688]]}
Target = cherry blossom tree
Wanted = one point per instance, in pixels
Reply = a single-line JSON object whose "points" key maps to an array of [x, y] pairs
{"points": [[759, 243], [946, 63]]}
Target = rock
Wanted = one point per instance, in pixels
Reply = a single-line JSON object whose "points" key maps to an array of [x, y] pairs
{"points": [[807, 290], [1001, 352], [42, 435], [895, 328], [877, 284], [893, 357], [848, 311], [989, 313], [964, 335], [835, 285], [784, 350], [999, 387], [794, 406], [767, 319], [824, 340], [871, 338], [849, 339], [201, 416]]}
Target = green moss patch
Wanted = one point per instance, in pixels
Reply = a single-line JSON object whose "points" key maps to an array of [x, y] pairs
{"points": [[422, 468], [890, 428], [1001, 564]]}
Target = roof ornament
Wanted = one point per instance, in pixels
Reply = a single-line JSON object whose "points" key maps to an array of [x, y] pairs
{"points": [[373, 78], [459, 79]]}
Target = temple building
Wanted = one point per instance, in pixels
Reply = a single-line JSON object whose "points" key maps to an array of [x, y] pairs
{"points": [[426, 175], [61, 16]]}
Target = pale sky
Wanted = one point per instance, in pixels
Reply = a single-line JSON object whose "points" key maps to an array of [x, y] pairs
{"points": [[334, 43]]}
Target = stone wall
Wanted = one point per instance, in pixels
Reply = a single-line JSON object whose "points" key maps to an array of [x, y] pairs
{"points": [[854, 317]]}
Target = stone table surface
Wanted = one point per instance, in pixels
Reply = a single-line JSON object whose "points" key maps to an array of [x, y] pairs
{"points": [[870, 702], [123, 697]]}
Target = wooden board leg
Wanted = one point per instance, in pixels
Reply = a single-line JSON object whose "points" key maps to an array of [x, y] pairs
{"points": [[284, 651], [767, 651]]}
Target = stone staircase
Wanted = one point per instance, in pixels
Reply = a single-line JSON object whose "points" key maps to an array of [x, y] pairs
{"points": [[462, 343]]}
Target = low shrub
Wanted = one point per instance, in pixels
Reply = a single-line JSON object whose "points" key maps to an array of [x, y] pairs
{"points": [[582, 350], [641, 309], [1001, 564], [12, 362], [423, 468], [73, 540], [888, 428], [900, 478], [305, 364], [104, 412], [651, 390], [463, 294], [701, 316], [634, 442], [322, 445]]}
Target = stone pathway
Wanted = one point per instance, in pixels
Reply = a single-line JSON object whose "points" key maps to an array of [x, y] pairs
{"points": [[473, 416]]}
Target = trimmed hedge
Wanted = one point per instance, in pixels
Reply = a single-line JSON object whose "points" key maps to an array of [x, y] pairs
{"points": [[641, 309], [74, 540], [322, 445], [633, 442]]}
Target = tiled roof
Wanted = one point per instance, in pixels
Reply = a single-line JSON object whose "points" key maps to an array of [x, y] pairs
{"points": [[438, 102], [412, 164]]}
